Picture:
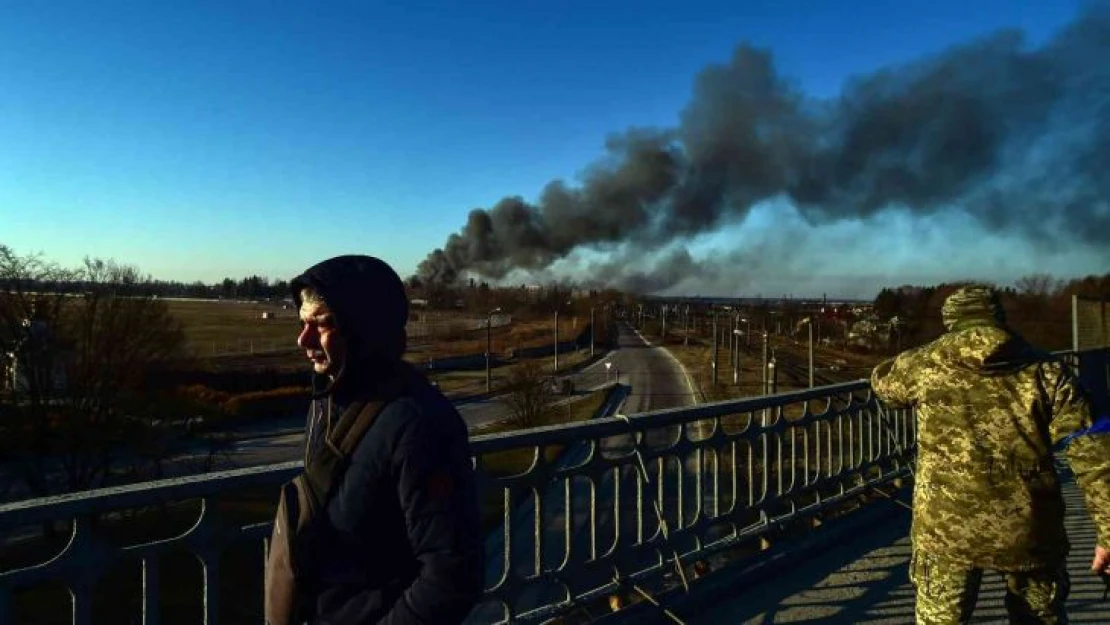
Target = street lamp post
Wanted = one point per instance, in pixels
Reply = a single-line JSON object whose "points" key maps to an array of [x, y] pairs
{"points": [[731, 341], [765, 349], [736, 360], [592, 329], [809, 326], [770, 387], [489, 348], [811, 354]]}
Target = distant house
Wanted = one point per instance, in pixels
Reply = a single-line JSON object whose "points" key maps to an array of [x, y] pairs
{"points": [[419, 303]]}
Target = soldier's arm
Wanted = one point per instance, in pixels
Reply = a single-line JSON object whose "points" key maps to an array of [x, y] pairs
{"points": [[1087, 441], [893, 380]]}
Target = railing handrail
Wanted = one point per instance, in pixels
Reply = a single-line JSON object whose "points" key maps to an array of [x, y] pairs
{"points": [[200, 485], [612, 426], [29, 511]]}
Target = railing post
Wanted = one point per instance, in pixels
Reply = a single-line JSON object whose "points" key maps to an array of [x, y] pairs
{"points": [[211, 590], [5, 605], [151, 615], [82, 603]]}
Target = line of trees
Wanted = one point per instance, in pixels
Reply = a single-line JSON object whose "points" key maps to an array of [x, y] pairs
{"points": [[1037, 305], [136, 284]]}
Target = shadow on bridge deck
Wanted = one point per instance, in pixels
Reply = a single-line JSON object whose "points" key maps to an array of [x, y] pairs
{"points": [[857, 574]]}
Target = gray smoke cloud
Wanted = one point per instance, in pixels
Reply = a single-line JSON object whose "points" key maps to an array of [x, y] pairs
{"points": [[1017, 138]]}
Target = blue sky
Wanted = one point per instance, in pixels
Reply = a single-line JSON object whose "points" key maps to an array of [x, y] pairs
{"points": [[237, 138]]}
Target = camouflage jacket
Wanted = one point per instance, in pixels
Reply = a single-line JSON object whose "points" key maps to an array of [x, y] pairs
{"points": [[990, 409]]}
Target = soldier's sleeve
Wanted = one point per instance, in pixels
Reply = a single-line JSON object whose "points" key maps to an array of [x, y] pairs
{"points": [[1087, 441], [894, 380]]}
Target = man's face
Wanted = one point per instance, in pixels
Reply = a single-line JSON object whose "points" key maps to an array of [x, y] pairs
{"points": [[320, 338]]}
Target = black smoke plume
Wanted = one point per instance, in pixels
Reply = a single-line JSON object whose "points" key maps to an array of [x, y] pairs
{"points": [[1017, 138]]}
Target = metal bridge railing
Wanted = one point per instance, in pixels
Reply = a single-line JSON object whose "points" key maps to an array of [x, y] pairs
{"points": [[572, 512], [572, 520]]}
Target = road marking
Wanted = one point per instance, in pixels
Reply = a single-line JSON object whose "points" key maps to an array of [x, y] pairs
{"points": [[685, 373]]}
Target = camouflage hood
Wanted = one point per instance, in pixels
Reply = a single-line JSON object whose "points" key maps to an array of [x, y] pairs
{"points": [[985, 349], [978, 339]]}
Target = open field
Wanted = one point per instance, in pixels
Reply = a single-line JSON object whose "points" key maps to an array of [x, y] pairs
{"points": [[281, 372], [213, 328], [234, 328]]}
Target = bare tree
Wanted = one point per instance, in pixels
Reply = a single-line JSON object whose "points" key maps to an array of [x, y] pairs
{"points": [[79, 345], [531, 395], [1038, 285]]}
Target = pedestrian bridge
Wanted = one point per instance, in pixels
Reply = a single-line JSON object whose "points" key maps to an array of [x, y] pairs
{"points": [[676, 515]]}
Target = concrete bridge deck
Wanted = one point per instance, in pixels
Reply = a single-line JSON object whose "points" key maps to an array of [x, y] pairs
{"points": [[856, 573]]}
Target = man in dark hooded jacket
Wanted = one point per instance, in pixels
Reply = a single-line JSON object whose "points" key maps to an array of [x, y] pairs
{"points": [[990, 410], [401, 540]]}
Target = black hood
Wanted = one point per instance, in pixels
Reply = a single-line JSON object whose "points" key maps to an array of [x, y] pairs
{"points": [[371, 310]]}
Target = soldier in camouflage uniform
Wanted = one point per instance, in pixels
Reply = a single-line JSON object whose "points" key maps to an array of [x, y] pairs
{"points": [[990, 409]]}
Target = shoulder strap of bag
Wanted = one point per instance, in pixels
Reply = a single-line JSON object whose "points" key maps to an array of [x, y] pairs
{"points": [[330, 461]]}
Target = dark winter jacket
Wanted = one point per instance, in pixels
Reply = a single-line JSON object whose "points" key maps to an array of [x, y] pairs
{"points": [[402, 543]]}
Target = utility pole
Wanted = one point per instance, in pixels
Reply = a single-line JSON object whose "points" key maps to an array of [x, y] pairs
{"points": [[556, 339], [489, 348], [664, 334], [810, 324], [686, 327], [714, 347]]}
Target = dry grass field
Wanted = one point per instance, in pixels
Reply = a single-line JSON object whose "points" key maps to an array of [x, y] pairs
{"points": [[232, 336], [215, 328], [224, 328]]}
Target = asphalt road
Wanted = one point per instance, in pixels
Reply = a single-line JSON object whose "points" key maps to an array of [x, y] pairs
{"points": [[655, 380]]}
